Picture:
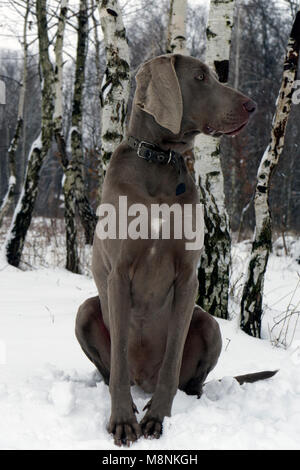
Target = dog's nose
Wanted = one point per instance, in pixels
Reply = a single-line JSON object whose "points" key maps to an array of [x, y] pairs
{"points": [[250, 106]]}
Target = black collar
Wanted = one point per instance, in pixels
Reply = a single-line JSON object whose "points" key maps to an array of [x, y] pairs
{"points": [[152, 153]]}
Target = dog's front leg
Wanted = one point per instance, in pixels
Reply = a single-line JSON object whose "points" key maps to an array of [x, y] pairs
{"points": [[123, 424], [160, 405]]}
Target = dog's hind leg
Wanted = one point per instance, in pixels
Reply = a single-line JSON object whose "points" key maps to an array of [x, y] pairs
{"points": [[201, 352], [93, 336]]}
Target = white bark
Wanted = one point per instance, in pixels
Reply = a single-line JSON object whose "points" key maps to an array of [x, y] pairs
{"points": [[219, 28], [58, 83], [176, 37], [238, 48], [116, 81], [97, 44], [58, 73], [218, 33], [25, 60], [216, 259], [235, 151], [251, 305]]}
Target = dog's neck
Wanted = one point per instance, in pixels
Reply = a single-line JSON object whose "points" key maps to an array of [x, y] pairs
{"points": [[142, 126]]}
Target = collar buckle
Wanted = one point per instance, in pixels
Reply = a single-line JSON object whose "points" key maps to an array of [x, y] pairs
{"points": [[142, 144]]}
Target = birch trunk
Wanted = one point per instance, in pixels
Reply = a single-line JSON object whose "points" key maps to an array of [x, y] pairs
{"points": [[74, 180], [176, 36], [251, 304], [72, 258], [236, 147], [23, 212], [215, 261], [97, 44], [9, 196], [58, 80], [115, 84]]}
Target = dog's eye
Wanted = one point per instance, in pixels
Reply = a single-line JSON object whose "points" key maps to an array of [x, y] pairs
{"points": [[201, 76]]}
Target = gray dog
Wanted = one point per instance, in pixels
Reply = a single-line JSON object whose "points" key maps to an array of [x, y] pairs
{"points": [[144, 327]]}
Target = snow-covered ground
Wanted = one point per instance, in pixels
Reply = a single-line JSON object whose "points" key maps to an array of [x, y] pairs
{"points": [[51, 398]]}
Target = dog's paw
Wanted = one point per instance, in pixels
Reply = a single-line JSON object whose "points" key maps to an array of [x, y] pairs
{"points": [[151, 427], [151, 424], [124, 432]]}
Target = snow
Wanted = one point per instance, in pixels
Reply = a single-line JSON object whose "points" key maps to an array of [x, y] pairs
{"points": [[69, 140], [12, 180], [52, 398]]}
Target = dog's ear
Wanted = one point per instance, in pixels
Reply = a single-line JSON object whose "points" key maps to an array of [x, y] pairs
{"points": [[158, 92]]}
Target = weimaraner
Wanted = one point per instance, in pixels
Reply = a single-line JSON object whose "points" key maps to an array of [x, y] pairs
{"points": [[144, 327]]}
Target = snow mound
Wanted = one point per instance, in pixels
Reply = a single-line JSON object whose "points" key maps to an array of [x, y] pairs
{"points": [[51, 397], [62, 397]]}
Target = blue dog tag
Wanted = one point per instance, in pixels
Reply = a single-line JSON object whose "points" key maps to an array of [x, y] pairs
{"points": [[180, 189]]}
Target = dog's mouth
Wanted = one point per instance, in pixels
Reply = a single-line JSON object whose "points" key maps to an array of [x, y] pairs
{"points": [[237, 130], [232, 133]]}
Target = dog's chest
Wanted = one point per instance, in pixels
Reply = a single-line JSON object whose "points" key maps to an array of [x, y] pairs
{"points": [[152, 281]]}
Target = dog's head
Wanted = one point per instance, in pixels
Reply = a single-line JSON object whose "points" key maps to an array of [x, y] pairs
{"points": [[184, 96]]}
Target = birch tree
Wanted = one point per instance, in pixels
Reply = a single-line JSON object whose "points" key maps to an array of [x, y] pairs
{"points": [[176, 34], [72, 258], [251, 304], [213, 273], [58, 82], [116, 81], [9, 196], [96, 43], [23, 212], [74, 180]]}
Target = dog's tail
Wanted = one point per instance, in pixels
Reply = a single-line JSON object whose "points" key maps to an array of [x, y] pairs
{"points": [[250, 378]]}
